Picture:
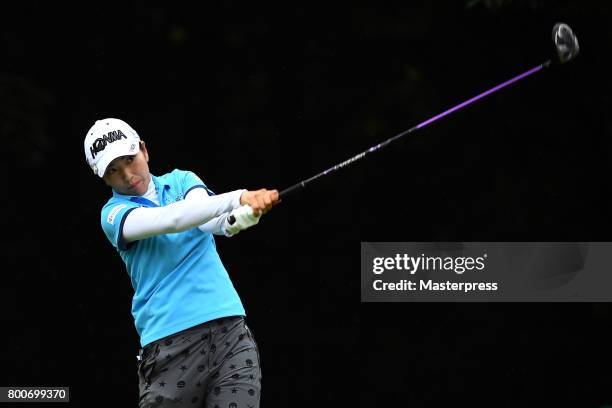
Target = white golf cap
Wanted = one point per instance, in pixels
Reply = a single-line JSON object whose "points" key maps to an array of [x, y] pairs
{"points": [[108, 139]]}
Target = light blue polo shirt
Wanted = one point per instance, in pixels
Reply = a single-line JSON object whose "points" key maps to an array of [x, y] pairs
{"points": [[178, 279]]}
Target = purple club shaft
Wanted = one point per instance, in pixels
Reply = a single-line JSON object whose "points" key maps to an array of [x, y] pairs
{"points": [[372, 149], [482, 95]]}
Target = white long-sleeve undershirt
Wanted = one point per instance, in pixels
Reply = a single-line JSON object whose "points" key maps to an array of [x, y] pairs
{"points": [[198, 209]]}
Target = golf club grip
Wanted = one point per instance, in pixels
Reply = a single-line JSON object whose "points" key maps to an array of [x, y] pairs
{"points": [[289, 190]]}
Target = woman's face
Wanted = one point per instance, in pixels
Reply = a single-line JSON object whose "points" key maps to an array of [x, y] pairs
{"points": [[129, 175]]}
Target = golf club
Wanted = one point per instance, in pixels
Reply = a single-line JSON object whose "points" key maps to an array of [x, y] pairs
{"points": [[567, 48]]}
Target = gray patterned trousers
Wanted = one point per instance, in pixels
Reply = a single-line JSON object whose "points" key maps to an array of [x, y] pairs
{"points": [[212, 365]]}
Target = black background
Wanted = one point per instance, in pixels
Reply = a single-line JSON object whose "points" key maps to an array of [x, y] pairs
{"points": [[251, 96]]}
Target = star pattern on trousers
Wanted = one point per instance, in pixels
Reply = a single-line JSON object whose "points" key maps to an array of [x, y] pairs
{"points": [[204, 350]]}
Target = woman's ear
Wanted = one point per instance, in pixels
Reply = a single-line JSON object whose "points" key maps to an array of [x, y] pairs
{"points": [[143, 149]]}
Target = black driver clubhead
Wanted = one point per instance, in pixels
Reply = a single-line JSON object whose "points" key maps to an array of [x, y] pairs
{"points": [[566, 42]]}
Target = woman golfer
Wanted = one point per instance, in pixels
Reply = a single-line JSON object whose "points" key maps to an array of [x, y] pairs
{"points": [[197, 350]]}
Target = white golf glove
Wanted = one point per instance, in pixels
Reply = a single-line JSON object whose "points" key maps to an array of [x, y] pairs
{"points": [[243, 218]]}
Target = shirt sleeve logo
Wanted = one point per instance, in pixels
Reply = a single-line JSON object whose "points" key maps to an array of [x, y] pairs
{"points": [[113, 213]]}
